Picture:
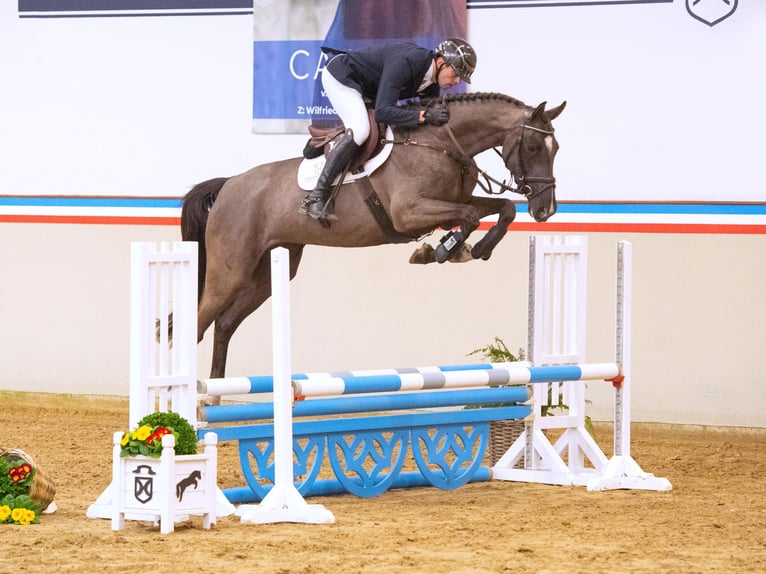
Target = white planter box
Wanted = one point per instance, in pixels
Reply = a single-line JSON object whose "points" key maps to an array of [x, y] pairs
{"points": [[165, 489]]}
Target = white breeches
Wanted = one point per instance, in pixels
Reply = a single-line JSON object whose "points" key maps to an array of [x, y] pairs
{"points": [[349, 106]]}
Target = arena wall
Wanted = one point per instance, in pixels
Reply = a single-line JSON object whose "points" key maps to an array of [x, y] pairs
{"points": [[150, 106]]}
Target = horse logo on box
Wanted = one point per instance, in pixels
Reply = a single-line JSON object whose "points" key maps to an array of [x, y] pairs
{"points": [[711, 12], [143, 483]]}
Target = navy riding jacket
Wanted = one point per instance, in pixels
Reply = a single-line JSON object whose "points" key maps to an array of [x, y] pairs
{"points": [[386, 74]]}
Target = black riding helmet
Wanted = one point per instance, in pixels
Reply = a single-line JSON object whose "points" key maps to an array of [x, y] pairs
{"points": [[459, 55]]}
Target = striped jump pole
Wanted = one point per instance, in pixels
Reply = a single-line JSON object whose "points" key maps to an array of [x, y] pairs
{"points": [[513, 374], [347, 382], [421, 378]]}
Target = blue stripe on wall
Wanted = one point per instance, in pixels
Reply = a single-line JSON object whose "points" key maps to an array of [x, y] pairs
{"points": [[677, 208], [150, 202], [666, 208]]}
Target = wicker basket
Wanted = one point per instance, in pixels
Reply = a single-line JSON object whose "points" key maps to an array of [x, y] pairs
{"points": [[502, 434], [43, 490]]}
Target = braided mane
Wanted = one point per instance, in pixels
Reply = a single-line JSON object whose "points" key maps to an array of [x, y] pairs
{"points": [[467, 98]]}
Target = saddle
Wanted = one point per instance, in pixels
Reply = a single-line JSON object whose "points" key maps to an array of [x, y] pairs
{"points": [[319, 142]]}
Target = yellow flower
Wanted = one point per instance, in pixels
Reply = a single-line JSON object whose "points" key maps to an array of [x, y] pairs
{"points": [[22, 516], [30, 516], [141, 432], [125, 439], [5, 512]]}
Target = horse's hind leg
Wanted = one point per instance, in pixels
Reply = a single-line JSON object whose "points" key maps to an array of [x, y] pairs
{"points": [[248, 298]]}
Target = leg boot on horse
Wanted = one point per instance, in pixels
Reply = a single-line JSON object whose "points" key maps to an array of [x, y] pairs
{"points": [[315, 203]]}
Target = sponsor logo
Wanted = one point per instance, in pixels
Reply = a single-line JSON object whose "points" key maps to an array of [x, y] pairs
{"points": [[711, 12], [143, 483]]}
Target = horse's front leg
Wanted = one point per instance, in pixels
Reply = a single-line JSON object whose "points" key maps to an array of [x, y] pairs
{"points": [[506, 213], [427, 215]]}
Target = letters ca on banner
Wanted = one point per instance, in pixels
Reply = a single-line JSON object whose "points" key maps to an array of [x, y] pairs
{"points": [[287, 48]]}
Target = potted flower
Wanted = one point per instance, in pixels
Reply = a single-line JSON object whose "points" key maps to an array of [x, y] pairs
{"points": [[25, 491], [146, 438], [158, 475]]}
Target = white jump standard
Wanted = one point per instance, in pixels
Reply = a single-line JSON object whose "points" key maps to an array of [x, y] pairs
{"points": [[556, 336]]}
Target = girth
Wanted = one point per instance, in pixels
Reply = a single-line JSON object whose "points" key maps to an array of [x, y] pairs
{"points": [[379, 212]]}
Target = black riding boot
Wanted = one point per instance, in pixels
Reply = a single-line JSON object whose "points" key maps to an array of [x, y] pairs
{"points": [[340, 156]]}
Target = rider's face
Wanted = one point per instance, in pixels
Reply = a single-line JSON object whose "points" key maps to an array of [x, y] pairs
{"points": [[448, 78]]}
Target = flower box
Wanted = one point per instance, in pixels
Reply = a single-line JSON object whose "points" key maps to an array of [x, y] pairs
{"points": [[165, 489]]}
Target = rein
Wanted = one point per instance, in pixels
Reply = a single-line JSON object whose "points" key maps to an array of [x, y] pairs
{"points": [[467, 163]]}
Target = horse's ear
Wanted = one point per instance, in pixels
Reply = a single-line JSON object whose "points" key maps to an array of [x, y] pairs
{"points": [[538, 110], [553, 113]]}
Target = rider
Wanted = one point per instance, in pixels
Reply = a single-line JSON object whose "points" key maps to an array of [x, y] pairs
{"points": [[385, 74]]}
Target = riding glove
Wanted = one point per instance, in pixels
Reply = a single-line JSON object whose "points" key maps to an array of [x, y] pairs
{"points": [[436, 115]]}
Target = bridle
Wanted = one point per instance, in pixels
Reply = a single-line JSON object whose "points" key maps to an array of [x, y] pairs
{"points": [[467, 163], [524, 188]]}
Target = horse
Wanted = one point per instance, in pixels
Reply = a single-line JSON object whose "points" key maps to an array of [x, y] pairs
{"points": [[191, 480], [426, 183]]}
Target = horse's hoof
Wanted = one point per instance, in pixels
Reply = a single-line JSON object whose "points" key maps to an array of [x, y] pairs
{"points": [[462, 255], [423, 255], [481, 251]]}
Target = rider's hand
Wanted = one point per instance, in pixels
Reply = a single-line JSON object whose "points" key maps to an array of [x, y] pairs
{"points": [[436, 115]]}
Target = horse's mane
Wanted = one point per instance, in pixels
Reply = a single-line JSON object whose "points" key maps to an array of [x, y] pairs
{"points": [[467, 98]]}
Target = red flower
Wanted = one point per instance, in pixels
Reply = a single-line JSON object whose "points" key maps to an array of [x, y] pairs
{"points": [[19, 473], [157, 434]]}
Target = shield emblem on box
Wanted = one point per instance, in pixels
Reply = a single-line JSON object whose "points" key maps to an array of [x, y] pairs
{"points": [[143, 483], [711, 12]]}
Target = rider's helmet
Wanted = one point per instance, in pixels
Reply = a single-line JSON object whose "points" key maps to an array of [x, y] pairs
{"points": [[459, 55]]}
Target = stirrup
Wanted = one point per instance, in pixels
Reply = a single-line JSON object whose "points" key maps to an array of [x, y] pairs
{"points": [[307, 201], [318, 210]]}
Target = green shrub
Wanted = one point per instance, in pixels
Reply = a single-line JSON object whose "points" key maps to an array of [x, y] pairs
{"points": [[187, 436]]}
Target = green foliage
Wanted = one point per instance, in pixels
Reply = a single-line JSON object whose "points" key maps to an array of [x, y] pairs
{"points": [[498, 352], [186, 436], [145, 441], [16, 477], [19, 509]]}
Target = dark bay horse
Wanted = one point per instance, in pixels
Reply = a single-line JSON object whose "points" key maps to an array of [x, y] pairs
{"points": [[426, 183]]}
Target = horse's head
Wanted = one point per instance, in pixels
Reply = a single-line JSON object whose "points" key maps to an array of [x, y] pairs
{"points": [[528, 154]]}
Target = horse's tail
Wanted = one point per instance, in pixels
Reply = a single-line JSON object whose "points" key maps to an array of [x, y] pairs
{"points": [[194, 213]]}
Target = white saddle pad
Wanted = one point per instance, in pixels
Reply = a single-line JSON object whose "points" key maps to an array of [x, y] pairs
{"points": [[310, 169]]}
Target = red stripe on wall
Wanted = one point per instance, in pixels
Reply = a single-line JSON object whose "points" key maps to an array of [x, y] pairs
{"points": [[635, 228], [90, 220], [548, 227]]}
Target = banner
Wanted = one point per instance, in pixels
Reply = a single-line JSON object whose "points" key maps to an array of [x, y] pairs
{"points": [[289, 34]]}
